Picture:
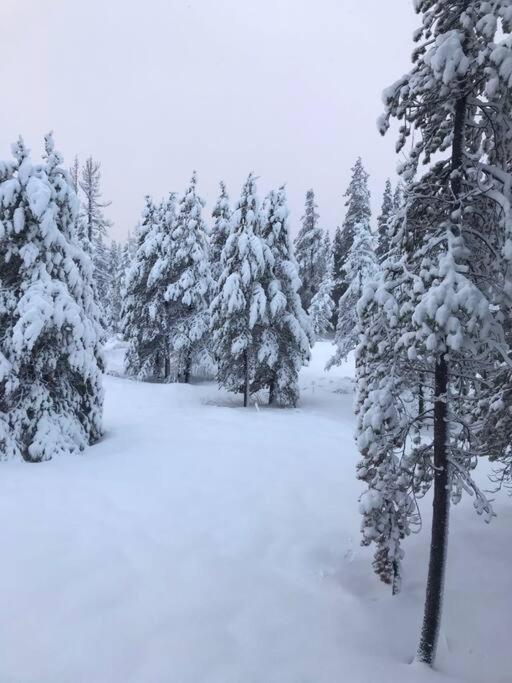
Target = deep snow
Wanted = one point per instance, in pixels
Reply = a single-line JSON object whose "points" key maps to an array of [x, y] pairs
{"points": [[203, 543]]}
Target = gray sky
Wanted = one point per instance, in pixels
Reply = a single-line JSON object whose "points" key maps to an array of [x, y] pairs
{"points": [[289, 89]]}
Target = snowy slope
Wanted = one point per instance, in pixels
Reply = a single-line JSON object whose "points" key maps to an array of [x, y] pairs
{"points": [[203, 543]]}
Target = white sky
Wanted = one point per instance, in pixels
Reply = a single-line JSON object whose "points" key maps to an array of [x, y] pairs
{"points": [[289, 89]]}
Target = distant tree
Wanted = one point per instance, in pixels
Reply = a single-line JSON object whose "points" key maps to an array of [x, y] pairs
{"points": [[382, 221], [74, 174], [358, 212], [95, 225], [338, 273], [144, 315], [51, 397], [322, 307], [191, 284], [116, 270], [309, 252], [221, 214], [287, 336], [240, 304], [360, 267], [398, 196], [326, 259]]}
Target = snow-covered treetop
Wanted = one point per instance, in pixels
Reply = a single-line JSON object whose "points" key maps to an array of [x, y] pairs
{"points": [[245, 230], [358, 197], [190, 256], [457, 57], [383, 218], [221, 210], [221, 214]]}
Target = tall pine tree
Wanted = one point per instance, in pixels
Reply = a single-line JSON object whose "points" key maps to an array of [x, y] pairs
{"points": [[358, 212], [239, 307], [360, 267], [309, 252], [51, 393], [287, 336], [438, 308], [95, 226], [191, 283], [144, 316], [221, 214], [115, 287], [382, 221]]}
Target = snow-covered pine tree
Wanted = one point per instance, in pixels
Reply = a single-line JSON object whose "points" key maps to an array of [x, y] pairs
{"points": [[286, 338], [144, 314], [128, 251], [240, 304], [398, 196], [190, 288], [441, 300], [74, 175], [322, 306], [338, 275], [358, 211], [221, 214], [116, 269], [131, 245], [382, 221], [309, 252], [51, 395], [359, 267], [96, 225]]}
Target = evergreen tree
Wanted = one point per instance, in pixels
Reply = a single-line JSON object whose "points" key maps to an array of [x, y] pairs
{"points": [[326, 259], [127, 252], [437, 309], [286, 337], [398, 197], [309, 252], [221, 214], [322, 307], [360, 267], [358, 212], [189, 291], [116, 269], [95, 225], [338, 274], [382, 221], [144, 315], [240, 305], [51, 395], [74, 175]]}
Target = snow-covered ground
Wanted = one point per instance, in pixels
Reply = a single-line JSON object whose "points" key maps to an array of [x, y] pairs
{"points": [[203, 543]]}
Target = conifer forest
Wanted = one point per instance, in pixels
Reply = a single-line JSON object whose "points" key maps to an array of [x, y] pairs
{"points": [[256, 341]]}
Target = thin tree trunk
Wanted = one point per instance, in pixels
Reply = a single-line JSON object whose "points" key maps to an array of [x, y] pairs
{"points": [[421, 397], [397, 578], [440, 519], [271, 393], [246, 379], [186, 374], [441, 503], [167, 366]]}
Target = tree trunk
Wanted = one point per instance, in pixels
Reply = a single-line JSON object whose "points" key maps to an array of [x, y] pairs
{"points": [[421, 397], [397, 578], [167, 366], [186, 373], [271, 393], [441, 503], [246, 379], [440, 518]]}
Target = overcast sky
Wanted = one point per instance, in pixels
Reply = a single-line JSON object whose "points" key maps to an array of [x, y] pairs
{"points": [[289, 89]]}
